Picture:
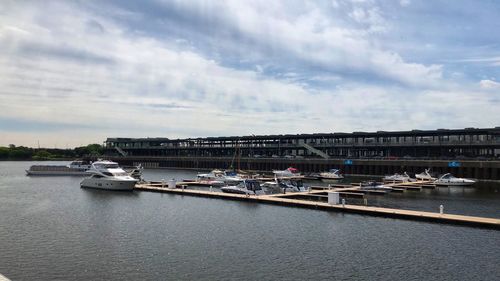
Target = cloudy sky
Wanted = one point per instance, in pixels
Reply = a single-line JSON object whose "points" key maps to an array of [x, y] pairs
{"points": [[76, 72]]}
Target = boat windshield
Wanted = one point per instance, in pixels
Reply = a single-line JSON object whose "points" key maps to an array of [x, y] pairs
{"points": [[447, 176], [107, 166], [299, 183], [253, 185], [120, 174]]}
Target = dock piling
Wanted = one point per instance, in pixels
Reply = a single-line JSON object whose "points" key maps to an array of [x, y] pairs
{"points": [[441, 209]]}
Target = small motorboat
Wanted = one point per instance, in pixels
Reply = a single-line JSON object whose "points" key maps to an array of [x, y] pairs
{"points": [[333, 174], [247, 187], [290, 172], [371, 185], [285, 185], [398, 178], [425, 176], [226, 177], [449, 180]]}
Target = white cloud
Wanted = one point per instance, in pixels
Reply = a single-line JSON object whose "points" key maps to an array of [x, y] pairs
{"points": [[312, 38], [489, 84], [405, 3], [85, 68]]}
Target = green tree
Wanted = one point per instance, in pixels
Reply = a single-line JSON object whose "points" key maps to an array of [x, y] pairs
{"points": [[4, 152], [42, 155]]}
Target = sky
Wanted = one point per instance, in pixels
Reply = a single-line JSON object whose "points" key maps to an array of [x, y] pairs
{"points": [[77, 72]]}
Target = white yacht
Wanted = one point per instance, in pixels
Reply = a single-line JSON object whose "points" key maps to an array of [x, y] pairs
{"points": [[290, 172], [450, 180], [108, 175], [425, 176], [248, 187], [398, 178], [333, 174]]}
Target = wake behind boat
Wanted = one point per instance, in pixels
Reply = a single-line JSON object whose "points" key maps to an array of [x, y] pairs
{"points": [[108, 175]]}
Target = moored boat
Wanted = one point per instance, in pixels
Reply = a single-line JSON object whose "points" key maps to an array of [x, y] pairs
{"points": [[108, 175], [226, 177], [75, 168], [425, 176], [449, 180], [247, 187], [371, 185], [398, 178], [285, 185], [333, 174], [290, 172]]}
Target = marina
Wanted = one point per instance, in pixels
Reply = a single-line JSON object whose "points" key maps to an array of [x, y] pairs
{"points": [[199, 226], [288, 200], [287, 188], [250, 140]]}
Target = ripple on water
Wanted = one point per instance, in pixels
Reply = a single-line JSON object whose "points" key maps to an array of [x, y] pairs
{"points": [[52, 229]]}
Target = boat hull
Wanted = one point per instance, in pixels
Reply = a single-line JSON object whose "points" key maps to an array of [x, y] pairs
{"points": [[240, 191], [55, 170], [465, 183], [56, 173], [123, 185]]}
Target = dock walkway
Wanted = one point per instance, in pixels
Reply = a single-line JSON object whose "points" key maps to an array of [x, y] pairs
{"points": [[280, 199]]}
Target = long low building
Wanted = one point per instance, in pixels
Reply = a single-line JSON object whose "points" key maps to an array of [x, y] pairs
{"points": [[458, 150], [466, 143]]}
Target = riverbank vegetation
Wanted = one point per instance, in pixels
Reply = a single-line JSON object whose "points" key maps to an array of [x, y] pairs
{"points": [[13, 152]]}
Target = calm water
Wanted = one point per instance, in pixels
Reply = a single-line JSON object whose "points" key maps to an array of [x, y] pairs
{"points": [[51, 229]]}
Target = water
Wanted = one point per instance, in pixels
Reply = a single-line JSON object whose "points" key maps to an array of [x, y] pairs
{"points": [[51, 229]]}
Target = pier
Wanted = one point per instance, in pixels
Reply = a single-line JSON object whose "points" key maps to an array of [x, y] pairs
{"points": [[290, 200]]}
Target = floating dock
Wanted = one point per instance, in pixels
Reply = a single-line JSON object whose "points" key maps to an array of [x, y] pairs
{"points": [[281, 199]]}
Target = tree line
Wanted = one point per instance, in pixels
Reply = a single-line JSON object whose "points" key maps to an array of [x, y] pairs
{"points": [[13, 152]]}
